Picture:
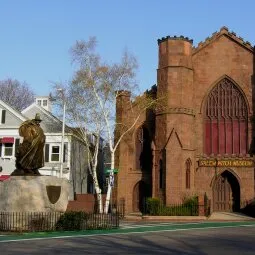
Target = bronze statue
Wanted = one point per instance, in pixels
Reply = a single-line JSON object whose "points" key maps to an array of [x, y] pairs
{"points": [[29, 155]]}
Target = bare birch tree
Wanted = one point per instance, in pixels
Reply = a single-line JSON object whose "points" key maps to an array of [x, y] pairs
{"points": [[91, 101], [16, 94]]}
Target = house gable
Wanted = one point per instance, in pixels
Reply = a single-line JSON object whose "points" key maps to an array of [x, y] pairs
{"points": [[50, 124], [10, 117]]}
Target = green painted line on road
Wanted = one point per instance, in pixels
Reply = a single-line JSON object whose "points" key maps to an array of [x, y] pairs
{"points": [[157, 228]]}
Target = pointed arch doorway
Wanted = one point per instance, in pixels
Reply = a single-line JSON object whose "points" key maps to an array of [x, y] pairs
{"points": [[226, 193], [140, 192]]}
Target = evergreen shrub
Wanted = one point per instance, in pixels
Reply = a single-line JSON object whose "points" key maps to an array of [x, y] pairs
{"points": [[72, 221], [189, 207]]}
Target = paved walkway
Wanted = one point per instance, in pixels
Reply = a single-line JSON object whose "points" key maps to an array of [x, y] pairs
{"points": [[215, 216], [229, 216]]}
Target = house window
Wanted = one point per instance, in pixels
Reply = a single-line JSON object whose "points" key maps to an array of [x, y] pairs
{"points": [[45, 102], [17, 142], [65, 155], [55, 153], [39, 102], [3, 116], [6, 147], [188, 165]]}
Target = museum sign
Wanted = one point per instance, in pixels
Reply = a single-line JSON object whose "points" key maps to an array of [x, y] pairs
{"points": [[226, 163]]}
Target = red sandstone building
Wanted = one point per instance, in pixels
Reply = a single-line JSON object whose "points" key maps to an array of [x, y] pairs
{"points": [[200, 142]]}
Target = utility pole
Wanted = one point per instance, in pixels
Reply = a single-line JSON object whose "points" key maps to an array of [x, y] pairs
{"points": [[63, 134]]}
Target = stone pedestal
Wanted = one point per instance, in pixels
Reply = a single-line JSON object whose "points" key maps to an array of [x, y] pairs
{"points": [[32, 202], [34, 194]]}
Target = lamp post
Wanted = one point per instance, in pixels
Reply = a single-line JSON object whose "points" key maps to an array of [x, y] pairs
{"points": [[63, 134]]}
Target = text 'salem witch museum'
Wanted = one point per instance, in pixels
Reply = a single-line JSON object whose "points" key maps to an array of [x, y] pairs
{"points": [[201, 142]]}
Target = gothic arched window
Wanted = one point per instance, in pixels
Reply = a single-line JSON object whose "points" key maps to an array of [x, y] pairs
{"points": [[188, 166], [160, 173], [143, 149], [226, 120]]}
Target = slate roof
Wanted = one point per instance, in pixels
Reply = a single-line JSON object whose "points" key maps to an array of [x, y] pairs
{"points": [[50, 123]]}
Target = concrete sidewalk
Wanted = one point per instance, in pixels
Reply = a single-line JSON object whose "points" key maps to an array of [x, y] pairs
{"points": [[229, 216], [215, 216]]}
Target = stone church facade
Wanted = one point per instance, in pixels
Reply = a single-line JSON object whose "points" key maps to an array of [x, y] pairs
{"points": [[200, 142]]}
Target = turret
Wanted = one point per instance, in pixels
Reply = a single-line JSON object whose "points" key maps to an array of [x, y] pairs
{"points": [[175, 73], [175, 121], [175, 51], [122, 103]]}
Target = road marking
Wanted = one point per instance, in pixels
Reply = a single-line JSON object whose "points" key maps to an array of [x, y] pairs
{"points": [[61, 235], [123, 226]]}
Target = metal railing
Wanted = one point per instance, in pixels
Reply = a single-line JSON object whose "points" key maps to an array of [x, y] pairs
{"points": [[174, 210], [118, 207], [56, 221], [155, 207]]}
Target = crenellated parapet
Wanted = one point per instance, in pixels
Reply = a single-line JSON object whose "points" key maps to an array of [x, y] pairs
{"points": [[152, 92], [175, 51], [123, 100], [123, 93], [180, 38]]}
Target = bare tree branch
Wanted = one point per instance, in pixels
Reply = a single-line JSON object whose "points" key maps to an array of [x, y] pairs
{"points": [[91, 100], [16, 94]]}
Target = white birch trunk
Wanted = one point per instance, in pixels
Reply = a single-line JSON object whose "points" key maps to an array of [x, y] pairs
{"points": [[109, 189], [98, 193], [94, 177], [97, 188], [99, 199]]}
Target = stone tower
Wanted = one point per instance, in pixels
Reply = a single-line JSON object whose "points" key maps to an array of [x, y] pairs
{"points": [[175, 120]]}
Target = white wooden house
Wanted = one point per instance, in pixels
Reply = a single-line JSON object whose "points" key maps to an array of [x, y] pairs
{"points": [[10, 120], [75, 163]]}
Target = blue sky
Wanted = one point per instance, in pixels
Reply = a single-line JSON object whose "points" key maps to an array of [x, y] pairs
{"points": [[36, 35]]}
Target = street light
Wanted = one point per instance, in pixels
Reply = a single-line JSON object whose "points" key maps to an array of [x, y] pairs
{"points": [[63, 133]]}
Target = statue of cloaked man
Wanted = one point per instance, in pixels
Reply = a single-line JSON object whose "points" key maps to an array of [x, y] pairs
{"points": [[29, 155]]}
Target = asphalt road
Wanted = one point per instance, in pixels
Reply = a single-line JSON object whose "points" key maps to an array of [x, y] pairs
{"points": [[230, 240]]}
